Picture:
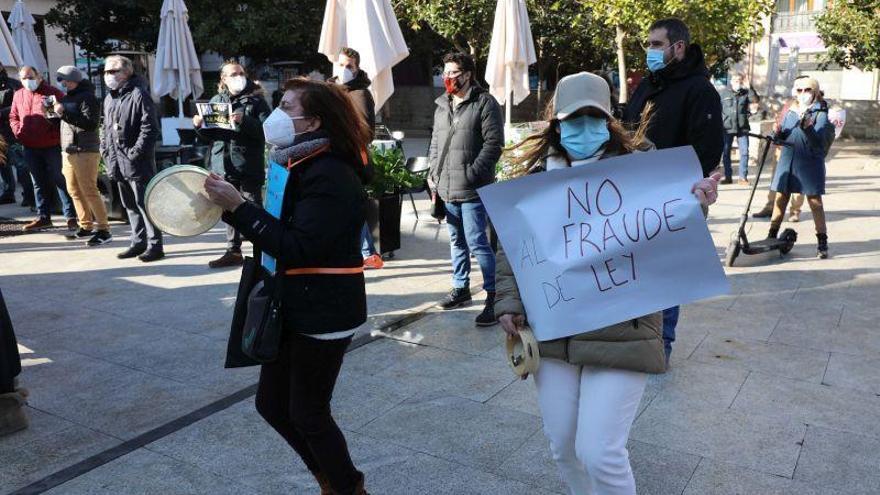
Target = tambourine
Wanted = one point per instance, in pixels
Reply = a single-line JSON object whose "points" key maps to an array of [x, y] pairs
{"points": [[522, 352], [177, 204]]}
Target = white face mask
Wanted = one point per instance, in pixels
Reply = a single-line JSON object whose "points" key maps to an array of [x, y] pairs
{"points": [[279, 130], [805, 99], [31, 84], [236, 84], [343, 74], [112, 82]]}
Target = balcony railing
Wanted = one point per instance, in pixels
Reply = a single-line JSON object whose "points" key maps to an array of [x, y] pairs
{"points": [[786, 22]]}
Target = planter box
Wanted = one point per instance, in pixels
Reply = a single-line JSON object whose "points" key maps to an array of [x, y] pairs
{"points": [[383, 218]]}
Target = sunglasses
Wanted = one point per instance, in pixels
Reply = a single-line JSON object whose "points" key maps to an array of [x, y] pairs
{"points": [[804, 90]]}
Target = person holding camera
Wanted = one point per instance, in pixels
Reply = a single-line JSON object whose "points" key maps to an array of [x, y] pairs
{"points": [[36, 126], [80, 113], [801, 166]]}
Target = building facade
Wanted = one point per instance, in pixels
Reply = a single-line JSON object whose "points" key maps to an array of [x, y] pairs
{"points": [[57, 52], [792, 47]]}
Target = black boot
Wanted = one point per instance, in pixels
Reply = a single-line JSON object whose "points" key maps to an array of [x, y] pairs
{"points": [[822, 246], [456, 298], [773, 233], [487, 317]]}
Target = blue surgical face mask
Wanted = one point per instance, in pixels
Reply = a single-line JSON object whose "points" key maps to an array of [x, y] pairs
{"points": [[583, 137], [655, 59]]}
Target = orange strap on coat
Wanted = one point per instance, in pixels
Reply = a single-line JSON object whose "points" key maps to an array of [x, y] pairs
{"points": [[322, 149], [324, 271]]}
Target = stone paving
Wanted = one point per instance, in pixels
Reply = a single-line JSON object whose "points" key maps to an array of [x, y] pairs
{"points": [[774, 388]]}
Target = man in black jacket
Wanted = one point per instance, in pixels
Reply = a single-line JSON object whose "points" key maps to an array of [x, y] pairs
{"points": [[347, 71], [465, 145], [14, 163], [80, 114], [735, 103], [681, 106], [128, 147], [237, 154]]}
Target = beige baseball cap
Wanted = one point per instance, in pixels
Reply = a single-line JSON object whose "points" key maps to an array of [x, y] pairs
{"points": [[577, 91]]}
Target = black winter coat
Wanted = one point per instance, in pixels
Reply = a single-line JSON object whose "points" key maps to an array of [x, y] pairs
{"points": [[79, 122], [130, 132], [320, 227], [735, 110], [8, 87], [474, 149], [359, 92], [687, 108], [239, 155], [10, 361]]}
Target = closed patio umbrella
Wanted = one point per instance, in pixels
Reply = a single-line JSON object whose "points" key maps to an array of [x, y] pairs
{"points": [[9, 55], [177, 72], [22, 24], [371, 28], [511, 52]]}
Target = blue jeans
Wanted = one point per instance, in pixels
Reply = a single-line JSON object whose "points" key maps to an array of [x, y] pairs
{"points": [[45, 167], [467, 224], [743, 143], [368, 248], [670, 321]]}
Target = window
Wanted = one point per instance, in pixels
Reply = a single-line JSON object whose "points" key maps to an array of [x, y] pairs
{"points": [[799, 6]]}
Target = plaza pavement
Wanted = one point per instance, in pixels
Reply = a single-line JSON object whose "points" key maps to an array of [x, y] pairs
{"points": [[774, 388]]}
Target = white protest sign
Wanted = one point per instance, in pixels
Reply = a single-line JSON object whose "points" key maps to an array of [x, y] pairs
{"points": [[606, 242]]}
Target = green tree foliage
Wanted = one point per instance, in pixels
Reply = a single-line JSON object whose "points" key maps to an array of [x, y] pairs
{"points": [[95, 24], [467, 26], [723, 28], [259, 29], [851, 32], [567, 39]]}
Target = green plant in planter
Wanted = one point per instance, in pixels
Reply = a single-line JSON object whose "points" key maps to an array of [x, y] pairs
{"points": [[390, 174]]}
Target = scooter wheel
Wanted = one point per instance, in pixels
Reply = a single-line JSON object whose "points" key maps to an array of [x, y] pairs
{"points": [[732, 252], [789, 236]]}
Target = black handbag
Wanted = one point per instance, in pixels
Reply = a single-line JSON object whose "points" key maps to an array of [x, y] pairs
{"points": [[255, 334], [261, 336], [251, 274], [438, 206]]}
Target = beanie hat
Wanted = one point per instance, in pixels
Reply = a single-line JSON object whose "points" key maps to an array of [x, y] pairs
{"points": [[69, 73]]}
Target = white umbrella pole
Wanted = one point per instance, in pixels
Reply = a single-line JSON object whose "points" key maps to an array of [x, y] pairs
{"points": [[179, 92], [509, 90]]}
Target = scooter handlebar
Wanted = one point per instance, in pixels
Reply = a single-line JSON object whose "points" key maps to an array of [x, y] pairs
{"points": [[770, 138]]}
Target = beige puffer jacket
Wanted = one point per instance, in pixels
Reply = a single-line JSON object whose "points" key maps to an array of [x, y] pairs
{"points": [[635, 345]]}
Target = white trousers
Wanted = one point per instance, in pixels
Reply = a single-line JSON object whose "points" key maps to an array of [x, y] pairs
{"points": [[587, 414]]}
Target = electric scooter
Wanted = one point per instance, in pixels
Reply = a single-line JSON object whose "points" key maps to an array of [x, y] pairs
{"points": [[740, 244]]}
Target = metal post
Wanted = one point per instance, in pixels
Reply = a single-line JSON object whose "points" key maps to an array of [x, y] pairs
{"points": [[509, 94]]}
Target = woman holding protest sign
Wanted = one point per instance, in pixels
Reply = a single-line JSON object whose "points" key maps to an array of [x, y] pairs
{"points": [[237, 146], [589, 385], [309, 236]]}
